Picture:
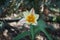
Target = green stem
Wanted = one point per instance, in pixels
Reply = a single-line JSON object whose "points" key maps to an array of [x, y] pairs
{"points": [[32, 32]]}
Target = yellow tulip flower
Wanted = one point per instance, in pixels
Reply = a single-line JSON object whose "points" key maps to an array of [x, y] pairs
{"points": [[31, 17]]}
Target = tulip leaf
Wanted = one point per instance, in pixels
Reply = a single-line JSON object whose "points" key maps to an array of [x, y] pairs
{"points": [[46, 33], [19, 36], [42, 26], [32, 31], [42, 23]]}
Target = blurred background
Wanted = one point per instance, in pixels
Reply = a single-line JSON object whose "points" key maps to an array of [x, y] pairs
{"points": [[11, 11]]}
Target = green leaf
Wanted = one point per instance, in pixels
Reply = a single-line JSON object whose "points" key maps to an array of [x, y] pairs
{"points": [[32, 32], [42, 26], [46, 33], [19, 36], [36, 30]]}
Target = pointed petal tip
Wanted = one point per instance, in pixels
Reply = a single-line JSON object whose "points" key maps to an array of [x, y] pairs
{"points": [[32, 11]]}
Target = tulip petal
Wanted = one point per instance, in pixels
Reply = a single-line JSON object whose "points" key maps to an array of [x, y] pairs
{"points": [[28, 16], [22, 21], [25, 13], [32, 11], [36, 16]]}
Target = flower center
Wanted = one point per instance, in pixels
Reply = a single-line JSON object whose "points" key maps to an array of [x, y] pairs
{"points": [[30, 18]]}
